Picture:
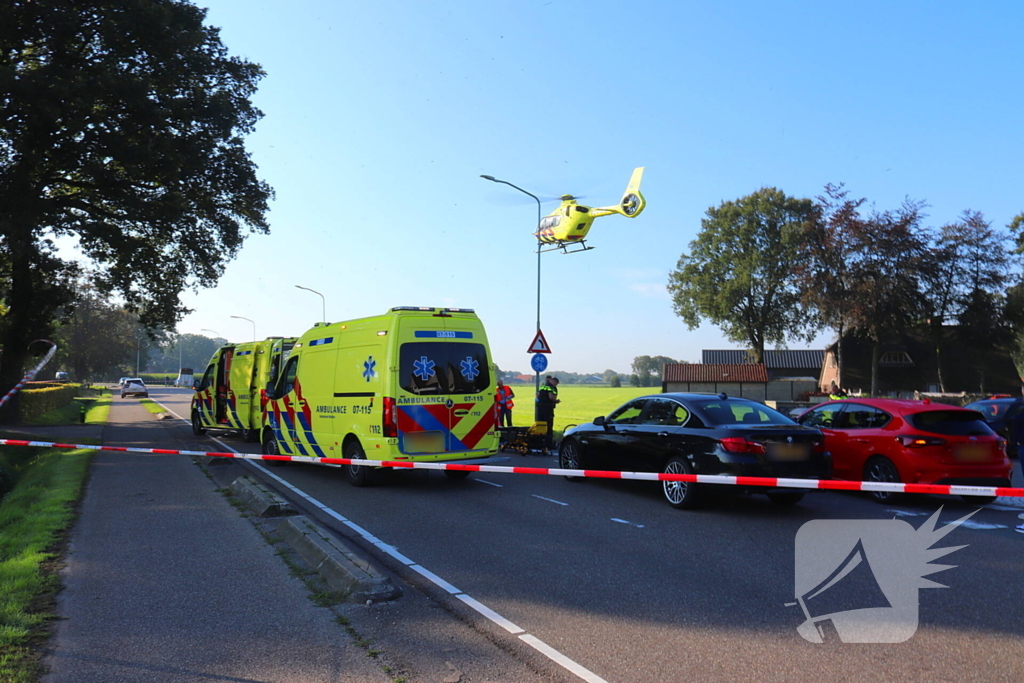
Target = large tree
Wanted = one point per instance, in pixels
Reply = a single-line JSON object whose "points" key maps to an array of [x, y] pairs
{"points": [[822, 271], [97, 340], [739, 272], [887, 256], [121, 125], [963, 279]]}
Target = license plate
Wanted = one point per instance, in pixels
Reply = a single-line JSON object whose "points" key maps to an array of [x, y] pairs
{"points": [[789, 451], [971, 452]]}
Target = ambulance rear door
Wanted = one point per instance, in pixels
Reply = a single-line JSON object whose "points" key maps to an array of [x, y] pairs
{"points": [[307, 381], [203, 402], [240, 378], [445, 403]]}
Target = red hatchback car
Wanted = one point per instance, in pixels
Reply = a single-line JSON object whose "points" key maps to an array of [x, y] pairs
{"points": [[916, 442]]}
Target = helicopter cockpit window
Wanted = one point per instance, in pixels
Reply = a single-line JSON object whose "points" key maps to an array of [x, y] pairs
{"points": [[550, 222]]}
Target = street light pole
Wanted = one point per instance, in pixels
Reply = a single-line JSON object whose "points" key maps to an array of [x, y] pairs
{"points": [[215, 332], [537, 199], [323, 301], [253, 325]]}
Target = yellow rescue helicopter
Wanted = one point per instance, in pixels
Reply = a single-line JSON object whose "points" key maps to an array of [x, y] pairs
{"points": [[568, 225]]}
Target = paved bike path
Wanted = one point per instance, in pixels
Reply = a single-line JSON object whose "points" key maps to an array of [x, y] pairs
{"points": [[166, 582]]}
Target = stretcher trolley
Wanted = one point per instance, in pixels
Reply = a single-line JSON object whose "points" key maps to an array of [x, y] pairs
{"points": [[524, 440]]}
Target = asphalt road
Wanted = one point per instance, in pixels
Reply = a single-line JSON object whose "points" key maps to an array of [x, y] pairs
{"points": [[620, 584]]}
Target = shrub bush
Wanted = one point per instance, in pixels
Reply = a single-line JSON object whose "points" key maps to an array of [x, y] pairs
{"points": [[40, 400]]}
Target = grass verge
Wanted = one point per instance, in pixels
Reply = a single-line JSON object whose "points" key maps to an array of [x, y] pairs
{"points": [[152, 406], [35, 517]]}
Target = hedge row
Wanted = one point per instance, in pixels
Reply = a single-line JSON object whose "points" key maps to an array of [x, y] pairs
{"points": [[37, 401]]}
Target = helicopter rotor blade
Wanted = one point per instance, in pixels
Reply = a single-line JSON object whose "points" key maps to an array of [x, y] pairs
{"points": [[519, 199]]}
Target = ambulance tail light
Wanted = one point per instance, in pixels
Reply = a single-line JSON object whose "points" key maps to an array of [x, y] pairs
{"points": [[390, 418]]}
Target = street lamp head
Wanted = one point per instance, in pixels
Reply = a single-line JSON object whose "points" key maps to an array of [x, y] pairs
{"points": [[488, 177]]}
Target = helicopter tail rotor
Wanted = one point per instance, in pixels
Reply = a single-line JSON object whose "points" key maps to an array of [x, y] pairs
{"points": [[633, 202]]}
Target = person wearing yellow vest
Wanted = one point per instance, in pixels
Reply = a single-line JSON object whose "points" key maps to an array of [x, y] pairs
{"points": [[835, 393], [547, 399], [504, 398]]}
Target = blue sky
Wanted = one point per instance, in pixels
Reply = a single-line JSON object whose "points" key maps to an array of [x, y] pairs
{"points": [[381, 116]]}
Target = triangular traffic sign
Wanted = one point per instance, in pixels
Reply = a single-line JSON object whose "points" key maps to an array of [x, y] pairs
{"points": [[539, 344]]}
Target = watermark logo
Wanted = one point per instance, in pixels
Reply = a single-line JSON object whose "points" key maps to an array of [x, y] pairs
{"points": [[858, 580]]}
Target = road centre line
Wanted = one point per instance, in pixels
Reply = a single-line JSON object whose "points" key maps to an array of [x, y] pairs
{"points": [[482, 609], [491, 483], [550, 500]]}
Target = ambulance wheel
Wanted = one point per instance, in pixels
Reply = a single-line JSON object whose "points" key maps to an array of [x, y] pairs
{"points": [[251, 435], [456, 474], [358, 475], [197, 425], [270, 447]]}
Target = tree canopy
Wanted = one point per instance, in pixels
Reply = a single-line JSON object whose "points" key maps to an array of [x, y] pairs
{"points": [[121, 126], [968, 267], [648, 369], [738, 271]]}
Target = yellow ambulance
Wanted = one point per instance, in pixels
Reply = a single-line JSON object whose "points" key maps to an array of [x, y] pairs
{"points": [[414, 384], [232, 393]]}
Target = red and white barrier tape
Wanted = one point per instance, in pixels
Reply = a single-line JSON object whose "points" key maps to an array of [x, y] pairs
{"points": [[31, 373], [772, 482]]}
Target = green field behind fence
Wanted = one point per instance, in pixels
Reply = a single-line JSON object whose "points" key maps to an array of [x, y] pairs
{"points": [[579, 402]]}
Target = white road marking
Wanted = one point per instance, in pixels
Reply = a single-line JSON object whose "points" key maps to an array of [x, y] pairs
{"points": [[550, 500], [491, 614], [482, 609], [557, 657], [484, 481], [982, 525], [626, 521]]}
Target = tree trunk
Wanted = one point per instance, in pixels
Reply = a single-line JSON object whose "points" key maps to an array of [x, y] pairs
{"points": [[839, 356], [876, 352], [938, 367]]}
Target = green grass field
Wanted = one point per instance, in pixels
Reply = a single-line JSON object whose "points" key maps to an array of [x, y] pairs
{"points": [[579, 402]]}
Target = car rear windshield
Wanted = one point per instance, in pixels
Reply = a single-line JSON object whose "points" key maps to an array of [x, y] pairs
{"points": [[440, 368], [950, 422], [991, 409], [719, 412]]}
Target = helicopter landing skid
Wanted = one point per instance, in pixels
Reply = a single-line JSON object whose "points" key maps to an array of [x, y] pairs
{"points": [[582, 246]]}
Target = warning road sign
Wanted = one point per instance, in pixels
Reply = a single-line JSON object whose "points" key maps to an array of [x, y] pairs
{"points": [[539, 344]]}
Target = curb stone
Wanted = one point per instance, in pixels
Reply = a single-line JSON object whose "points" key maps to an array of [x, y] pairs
{"points": [[256, 497], [355, 577]]}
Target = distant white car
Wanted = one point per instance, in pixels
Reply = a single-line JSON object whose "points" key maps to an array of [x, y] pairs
{"points": [[134, 386], [123, 380]]}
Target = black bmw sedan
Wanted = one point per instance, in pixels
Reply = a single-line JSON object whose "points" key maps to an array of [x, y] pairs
{"points": [[698, 434]]}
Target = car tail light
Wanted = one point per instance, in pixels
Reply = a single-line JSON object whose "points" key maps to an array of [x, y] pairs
{"points": [[737, 444], [912, 441], [390, 418]]}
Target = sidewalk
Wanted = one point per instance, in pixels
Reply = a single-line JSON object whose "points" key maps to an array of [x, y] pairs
{"points": [[166, 582]]}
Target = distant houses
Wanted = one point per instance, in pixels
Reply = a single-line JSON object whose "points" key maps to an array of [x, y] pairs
{"points": [[906, 364]]}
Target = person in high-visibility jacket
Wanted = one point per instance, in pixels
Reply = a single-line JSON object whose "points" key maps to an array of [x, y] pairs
{"points": [[547, 399], [503, 398]]}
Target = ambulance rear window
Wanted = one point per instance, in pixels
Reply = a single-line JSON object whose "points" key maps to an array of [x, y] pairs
{"points": [[441, 368]]}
